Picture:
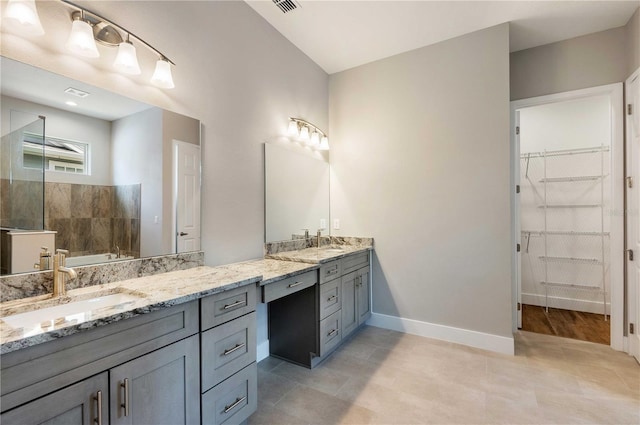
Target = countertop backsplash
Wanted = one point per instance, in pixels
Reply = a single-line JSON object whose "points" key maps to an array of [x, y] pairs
{"points": [[271, 248], [27, 285]]}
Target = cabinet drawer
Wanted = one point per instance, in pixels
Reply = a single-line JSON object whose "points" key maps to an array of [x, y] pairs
{"points": [[354, 261], [226, 349], [233, 400], [330, 298], [330, 334], [284, 287], [330, 271], [220, 308]]}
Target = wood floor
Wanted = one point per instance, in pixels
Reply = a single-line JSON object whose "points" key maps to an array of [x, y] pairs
{"points": [[566, 323]]}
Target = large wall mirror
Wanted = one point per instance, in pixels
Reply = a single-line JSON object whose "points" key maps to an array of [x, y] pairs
{"points": [[296, 192], [92, 172]]}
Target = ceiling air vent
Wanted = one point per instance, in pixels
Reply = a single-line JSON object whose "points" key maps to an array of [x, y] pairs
{"points": [[286, 5], [76, 92]]}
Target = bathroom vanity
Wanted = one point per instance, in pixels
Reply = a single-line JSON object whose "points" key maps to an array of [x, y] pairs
{"points": [[312, 313], [186, 341]]}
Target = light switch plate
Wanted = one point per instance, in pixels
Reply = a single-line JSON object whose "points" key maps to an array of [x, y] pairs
{"points": [[336, 224], [323, 223]]}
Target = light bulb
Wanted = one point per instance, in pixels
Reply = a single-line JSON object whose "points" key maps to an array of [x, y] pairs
{"points": [[127, 60], [293, 128], [162, 75], [23, 16], [304, 133], [324, 144], [81, 40], [315, 138]]}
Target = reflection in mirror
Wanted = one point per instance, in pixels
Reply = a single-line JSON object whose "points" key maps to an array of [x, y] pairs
{"points": [[296, 193], [92, 172]]}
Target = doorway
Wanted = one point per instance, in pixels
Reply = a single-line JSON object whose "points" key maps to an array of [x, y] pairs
{"points": [[569, 270]]}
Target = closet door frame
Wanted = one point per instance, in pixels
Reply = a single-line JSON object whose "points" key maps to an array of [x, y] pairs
{"points": [[616, 271]]}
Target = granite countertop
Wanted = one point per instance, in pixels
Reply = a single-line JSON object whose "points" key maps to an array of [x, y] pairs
{"points": [[275, 270], [151, 293], [319, 256]]}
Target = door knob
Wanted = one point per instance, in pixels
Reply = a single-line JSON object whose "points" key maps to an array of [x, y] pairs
{"points": [[182, 234]]}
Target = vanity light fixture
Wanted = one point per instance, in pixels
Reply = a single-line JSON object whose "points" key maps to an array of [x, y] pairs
{"points": [[127, 60], [308, 133], [23, 16], [89, 27], [81, 40]]}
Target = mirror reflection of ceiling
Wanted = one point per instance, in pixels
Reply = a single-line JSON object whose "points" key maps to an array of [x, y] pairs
{"points": [[46, 88]]}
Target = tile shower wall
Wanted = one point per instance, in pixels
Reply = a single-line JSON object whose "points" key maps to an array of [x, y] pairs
{"points": [[94, 219], [21, 205]]}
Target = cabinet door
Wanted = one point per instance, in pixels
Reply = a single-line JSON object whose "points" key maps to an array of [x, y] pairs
{"points": [[349, 306], [74, 405], [162, 387], [362, 295]]}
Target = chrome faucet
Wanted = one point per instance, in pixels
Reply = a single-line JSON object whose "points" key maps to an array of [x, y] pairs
{"points": [[306, 233], [45, 260], [117, 249], [61, 272], [318, 237]]}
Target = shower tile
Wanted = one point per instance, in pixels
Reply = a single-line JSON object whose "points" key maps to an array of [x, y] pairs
{"points": [[57, 200], [101, 202], [81, 200], [63, 227], [135, 237], [101, 234], [81, 238]]}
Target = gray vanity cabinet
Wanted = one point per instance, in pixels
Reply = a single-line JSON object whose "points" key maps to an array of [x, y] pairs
{"points": [[160, 387], [83, 403], [356, 304]]}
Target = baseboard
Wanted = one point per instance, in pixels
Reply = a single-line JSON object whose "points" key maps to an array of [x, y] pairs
{"points": [[484, 341], [262, 350], [566, 303]]}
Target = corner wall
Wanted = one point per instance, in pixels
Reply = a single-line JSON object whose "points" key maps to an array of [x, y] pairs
{"points": [[420, 161], [633, 43], [587, 61]]}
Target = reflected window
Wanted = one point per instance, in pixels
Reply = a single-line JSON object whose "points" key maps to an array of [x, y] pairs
{"points": [[59, 155]]}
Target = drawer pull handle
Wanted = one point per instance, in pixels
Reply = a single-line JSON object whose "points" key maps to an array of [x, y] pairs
{"points": [[231, 350], [98, 399], [333, 332], [235, 304], [235, 404], [331, 298], [332, 271], [293, 285], [125, 405]]}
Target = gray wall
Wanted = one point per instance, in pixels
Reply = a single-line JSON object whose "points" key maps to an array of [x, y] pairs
{"points": [[420, 161], [75, 127], [633, 43], [581, 62]]}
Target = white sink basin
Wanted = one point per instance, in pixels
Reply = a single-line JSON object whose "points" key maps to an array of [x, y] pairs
{"points": [[52, 317]]}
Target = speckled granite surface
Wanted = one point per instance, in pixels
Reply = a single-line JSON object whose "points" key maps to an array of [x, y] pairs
{"points": [[322, 255], [151, 293], [271, 248], [27, 285], [275, 270]]}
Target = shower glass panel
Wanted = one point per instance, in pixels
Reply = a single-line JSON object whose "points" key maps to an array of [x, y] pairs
{"points": [[22, 172]]}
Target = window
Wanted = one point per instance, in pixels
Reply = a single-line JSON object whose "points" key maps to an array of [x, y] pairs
{"points": [[59, 155]]}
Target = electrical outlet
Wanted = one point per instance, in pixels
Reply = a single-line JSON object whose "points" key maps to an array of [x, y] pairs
{"points": [[336, 224], [323, 223]]}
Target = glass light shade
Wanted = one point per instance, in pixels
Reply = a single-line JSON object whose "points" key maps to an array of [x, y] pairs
{"points": [[162, 75], [293, 128], [324, 144], [127, 60], [81, 40], [304, 133], [315, 138], [23, 16]]}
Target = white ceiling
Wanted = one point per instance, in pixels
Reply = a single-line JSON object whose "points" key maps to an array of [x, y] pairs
{"points": [[339, 35], [46, 88]]}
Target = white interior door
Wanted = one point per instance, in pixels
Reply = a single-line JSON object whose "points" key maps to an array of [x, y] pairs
{"points": [[633, 209], [186, 196]]}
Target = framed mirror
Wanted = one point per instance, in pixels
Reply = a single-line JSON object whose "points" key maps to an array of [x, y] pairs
{"points": [[93, 172], [296, 192]]}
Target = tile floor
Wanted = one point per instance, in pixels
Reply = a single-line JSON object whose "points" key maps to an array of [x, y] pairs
{"points": [[385, 377]]}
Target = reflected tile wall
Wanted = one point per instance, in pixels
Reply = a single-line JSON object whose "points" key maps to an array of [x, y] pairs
{"points": [[94, 219], [21, 205]]}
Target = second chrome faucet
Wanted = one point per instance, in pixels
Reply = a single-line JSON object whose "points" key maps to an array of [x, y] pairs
{"points": [[61, 272]]}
